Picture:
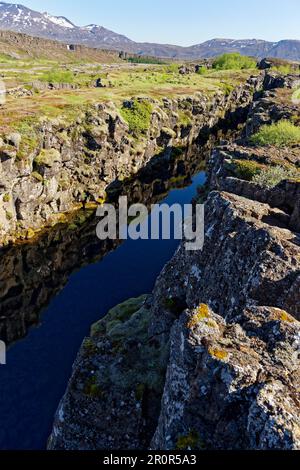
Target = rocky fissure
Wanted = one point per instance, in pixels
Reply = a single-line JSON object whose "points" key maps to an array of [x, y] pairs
{"points": [[210, 359], [54, 166], [32, 273]]}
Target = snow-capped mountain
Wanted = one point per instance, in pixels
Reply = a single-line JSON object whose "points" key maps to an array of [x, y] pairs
{"points": [[16, 17], [22, 19], [59, 20]]}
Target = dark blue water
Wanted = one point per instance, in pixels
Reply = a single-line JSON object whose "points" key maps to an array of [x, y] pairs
{"points": [[38, 367]]}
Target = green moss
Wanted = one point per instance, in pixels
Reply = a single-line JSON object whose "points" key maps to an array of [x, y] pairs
{"points": [[140, 391], [89, 347], [47, 157], [185, 118], [169, 132], [177, 152], [246, 169], [138, 116], [92, 388], [191, 441], [37, 176], [175, 180], [296, 96], [228, 89], [144, 359], [29, 142], [6, 197], [118, 315], [72, 227]]}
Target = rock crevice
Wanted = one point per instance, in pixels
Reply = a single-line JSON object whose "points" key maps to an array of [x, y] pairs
{"points": [[217, 340]]}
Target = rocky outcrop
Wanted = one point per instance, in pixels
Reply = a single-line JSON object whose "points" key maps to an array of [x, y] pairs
{"points": [[234, 367], [275, 103], [121, 357], [284, 197], [209, 360], [224, 387]]}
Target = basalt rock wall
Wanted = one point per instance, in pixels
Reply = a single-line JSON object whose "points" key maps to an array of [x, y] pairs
{"points": [[58, 165]]}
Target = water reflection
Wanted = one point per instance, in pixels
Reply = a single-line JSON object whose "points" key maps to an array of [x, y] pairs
{"points": [[32, 274]]}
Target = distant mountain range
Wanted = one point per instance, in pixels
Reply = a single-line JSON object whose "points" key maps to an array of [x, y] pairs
{"points": [[18, 18]]}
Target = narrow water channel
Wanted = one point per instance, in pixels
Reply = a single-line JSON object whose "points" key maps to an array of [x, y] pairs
{"points": [[75, 286]]}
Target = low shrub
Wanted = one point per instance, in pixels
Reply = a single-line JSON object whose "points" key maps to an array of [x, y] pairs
{"points": [[234, 61], [296, 95], [281, 134], [283, 69], [274, 175], [202, 70]]}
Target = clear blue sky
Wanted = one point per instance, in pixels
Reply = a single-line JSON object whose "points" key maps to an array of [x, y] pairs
{"points": [[183, 22]]}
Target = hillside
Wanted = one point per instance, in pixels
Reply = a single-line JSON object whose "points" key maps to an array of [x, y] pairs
{"points": [[21, 19], [22, 46]]}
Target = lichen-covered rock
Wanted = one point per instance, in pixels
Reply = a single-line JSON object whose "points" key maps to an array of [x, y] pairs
{"points": [[116, 385], [230, 314], [232, 385]]}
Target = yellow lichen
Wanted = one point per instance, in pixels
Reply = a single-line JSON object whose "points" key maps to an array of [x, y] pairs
{"points": [[201, 313], [284, 316], [219, 354], [30, 234], [212, 324]]}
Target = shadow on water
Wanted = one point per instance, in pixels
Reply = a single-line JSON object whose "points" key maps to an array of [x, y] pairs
{"points": [[73, 279]]}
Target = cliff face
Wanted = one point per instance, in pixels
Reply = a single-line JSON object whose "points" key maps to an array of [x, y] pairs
{"points": [[56, 166], [209, 360], [228, 315], [234, 367]]}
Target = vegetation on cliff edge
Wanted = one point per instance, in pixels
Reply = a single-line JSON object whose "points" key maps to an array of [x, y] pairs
{"points": [[281, 134]]}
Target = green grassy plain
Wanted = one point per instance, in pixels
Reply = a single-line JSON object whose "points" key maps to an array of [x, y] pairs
{"points": [[122, 82]]}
